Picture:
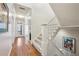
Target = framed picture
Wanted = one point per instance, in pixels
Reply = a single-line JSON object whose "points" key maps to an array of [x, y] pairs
{"points": [[69, 44], [4, 17]]}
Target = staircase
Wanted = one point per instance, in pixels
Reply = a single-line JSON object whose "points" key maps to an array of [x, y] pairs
{"points": [[44, 41], [53, 29], [37, 42]]}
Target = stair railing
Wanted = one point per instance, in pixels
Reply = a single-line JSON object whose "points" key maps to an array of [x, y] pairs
{"points": [[49, 31]]}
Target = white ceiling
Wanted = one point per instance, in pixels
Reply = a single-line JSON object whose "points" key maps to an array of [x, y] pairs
{"points": [[67, 13], [20, 9]]}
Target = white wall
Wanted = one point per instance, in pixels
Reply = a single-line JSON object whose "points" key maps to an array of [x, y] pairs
{"points": [[7, 38], [59, 38], [41, 14]]}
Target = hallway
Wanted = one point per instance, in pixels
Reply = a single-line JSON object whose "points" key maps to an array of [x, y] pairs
{"points": [[20, 48], [50, 29]]}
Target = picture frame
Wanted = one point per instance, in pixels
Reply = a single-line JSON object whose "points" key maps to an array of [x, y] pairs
{"points": [[69, 44], [4, 17]]}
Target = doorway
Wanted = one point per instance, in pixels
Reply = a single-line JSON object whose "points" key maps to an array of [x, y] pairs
{"points": [[23, 21]]}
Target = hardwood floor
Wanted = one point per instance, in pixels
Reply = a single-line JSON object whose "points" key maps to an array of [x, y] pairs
{"points": [[20, 48]]}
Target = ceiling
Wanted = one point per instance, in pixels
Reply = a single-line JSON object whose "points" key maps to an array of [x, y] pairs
{"points": [[21, 10], [67, 13]]}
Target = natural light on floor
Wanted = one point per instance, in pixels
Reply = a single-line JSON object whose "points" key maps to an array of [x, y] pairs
{"points": [[19, 42]]}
